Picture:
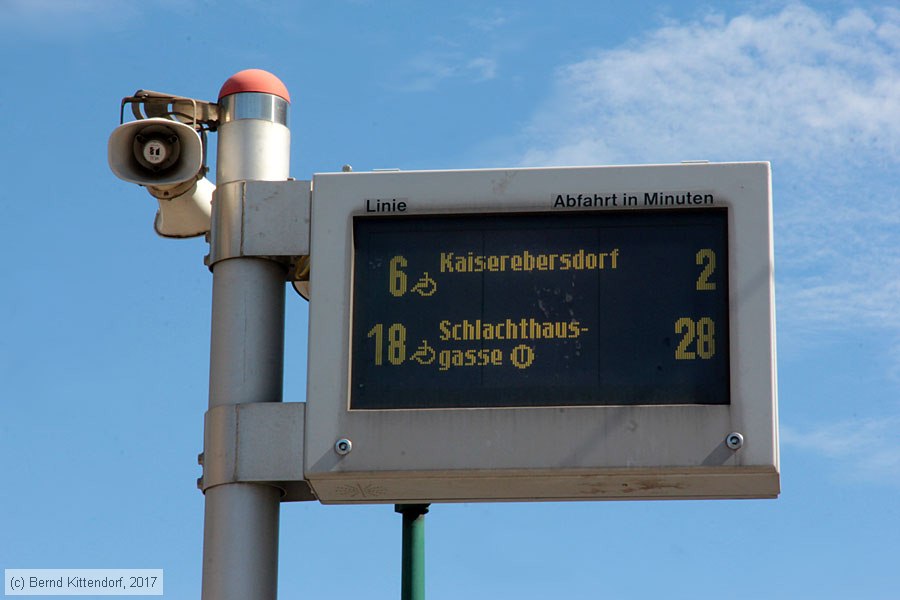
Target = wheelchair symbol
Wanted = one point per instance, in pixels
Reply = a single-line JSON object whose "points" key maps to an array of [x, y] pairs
{"points": [[426, 286], [424, 354]]}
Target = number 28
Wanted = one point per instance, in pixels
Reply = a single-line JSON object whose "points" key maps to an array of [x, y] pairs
{"points": [[698, 338]]}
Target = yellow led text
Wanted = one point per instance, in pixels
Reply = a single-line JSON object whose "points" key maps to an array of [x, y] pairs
{"points": [[521, 329], [526, 261]]}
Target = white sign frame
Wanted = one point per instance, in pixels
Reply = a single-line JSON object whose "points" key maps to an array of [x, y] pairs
{"points": [[544, 453]]}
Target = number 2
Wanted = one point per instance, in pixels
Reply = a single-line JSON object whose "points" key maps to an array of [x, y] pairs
{"points": [[707, 259]]}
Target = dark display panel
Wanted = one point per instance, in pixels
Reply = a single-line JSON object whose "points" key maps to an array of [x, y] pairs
{"points": [[559, 309]]}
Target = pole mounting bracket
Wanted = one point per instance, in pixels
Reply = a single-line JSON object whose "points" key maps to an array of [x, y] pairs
{"points": [[260, 442]]}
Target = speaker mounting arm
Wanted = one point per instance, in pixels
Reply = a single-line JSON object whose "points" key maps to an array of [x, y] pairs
{"points": [[146, 104]]}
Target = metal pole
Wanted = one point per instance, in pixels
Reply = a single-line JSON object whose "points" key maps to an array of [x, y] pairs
{"points": [[240, 537], [412, 581]]}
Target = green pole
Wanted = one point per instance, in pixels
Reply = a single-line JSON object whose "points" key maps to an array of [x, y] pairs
{"points": [[412, 582]]}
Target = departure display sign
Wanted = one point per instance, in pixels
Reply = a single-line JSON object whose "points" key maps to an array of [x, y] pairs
{"points": [[602, 308]]}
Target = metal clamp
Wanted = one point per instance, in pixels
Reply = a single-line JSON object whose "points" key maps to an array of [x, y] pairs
{"points": [[268, 219], [256, 443], [146, 104]]}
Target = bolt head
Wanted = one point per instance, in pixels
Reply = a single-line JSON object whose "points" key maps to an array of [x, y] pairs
{"points": [[734, 440], [343, 446]]}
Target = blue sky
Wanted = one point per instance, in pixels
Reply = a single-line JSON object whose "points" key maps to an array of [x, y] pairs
{"points": [[104, 327]]}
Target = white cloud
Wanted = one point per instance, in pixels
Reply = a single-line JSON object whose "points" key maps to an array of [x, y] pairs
{"points": [[68, 18], [794, 86], [429, 70], [482, 68], [490, 22], [816, 95], [470, 56], [863, 450], [51, 7]]}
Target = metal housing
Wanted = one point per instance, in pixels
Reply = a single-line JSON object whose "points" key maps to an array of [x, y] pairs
{"points": [[559, 453]]}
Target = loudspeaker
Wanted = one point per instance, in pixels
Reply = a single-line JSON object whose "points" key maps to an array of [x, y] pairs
{"points": [[187, 214], [155, 152], [166, 157]]}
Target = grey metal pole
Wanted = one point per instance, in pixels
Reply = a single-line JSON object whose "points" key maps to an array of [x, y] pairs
{"points": [[240, 536]]}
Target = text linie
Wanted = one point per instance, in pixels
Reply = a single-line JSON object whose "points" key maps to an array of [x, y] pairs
{"points": [[385, 205]]}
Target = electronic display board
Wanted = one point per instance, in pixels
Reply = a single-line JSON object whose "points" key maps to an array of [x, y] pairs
{"points": [[567, 333], [611, 308]]}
